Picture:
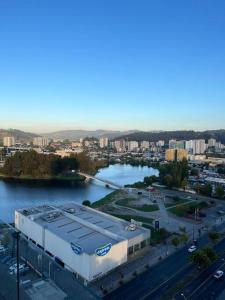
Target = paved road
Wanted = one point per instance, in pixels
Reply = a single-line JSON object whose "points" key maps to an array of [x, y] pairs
{"points": [[153, 283], [205, 286]]}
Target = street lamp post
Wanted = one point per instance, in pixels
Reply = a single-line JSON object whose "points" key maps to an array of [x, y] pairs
{"points": [[16, 235], [183, 296]]}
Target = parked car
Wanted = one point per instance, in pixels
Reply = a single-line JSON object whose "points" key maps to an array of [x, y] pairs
{"points": [[192, 249], [11, 261], [218, 274], [6, 259]]}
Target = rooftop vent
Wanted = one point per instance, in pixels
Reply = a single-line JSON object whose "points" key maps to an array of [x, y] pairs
{"points": [[52, 216], [70, 210]]}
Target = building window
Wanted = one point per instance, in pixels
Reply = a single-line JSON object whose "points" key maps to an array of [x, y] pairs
{"points": [[143, 244], [136, 247], [130, 250]]}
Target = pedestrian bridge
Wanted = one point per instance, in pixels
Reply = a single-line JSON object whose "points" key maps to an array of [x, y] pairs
{"points": [[106, 182]]}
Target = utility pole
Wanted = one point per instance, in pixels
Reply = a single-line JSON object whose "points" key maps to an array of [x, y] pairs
{"points": [[196, 212], [16, 235]]}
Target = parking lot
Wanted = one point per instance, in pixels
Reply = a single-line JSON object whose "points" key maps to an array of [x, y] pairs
{"points": [[37, 268]]}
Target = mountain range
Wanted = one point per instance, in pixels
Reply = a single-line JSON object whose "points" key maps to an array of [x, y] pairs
{"points": [[76, 134], [219, 135], [19, 135], [154, 136]]}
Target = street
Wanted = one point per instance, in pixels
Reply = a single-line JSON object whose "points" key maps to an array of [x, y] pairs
{"points": [[157, 280]]}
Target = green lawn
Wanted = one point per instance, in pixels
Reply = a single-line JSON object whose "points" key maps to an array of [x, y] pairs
{"points": [[183, 210], [107, 199], [146, 207], [180, 201]]}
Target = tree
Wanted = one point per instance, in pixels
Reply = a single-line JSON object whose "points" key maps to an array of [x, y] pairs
{"points": [[194, 172], [206, 190], [214, 236], [175, 241], [184, 238], [210, 253], [86, 203], [184, 184], [197, 187], [219, 192], [168, 180], [200, 258]]}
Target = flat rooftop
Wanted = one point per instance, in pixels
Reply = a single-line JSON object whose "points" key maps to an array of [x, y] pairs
{"points": [[84, 226]]}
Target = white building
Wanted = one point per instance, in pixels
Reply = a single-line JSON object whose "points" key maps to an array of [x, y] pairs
{"points": [[120, 145], [160, 143], [211, 142], [196, 146], [144, 145], [103, 142], [41, 141], [8, 141], [132, 145], [86, 241]]}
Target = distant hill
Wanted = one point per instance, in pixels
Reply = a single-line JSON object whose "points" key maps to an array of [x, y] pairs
{"points": [[76, 134], [20, 136], [219, 135]]}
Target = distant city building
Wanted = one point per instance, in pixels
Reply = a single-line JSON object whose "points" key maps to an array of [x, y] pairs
{"points": [[218, 146], [76, 144], [196, 146], [41, 141], [175, 154], [211, 142], [160, 143], [120, 145], [174, 144], [132, 145], [8, 141], [103, 142], [145, 145]]}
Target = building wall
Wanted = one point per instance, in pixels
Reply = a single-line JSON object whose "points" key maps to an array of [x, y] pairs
{"points": [[87, 266], [62, 249], [29, 228], [100, 265]]}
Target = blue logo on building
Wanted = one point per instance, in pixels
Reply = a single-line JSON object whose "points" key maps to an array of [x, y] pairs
{"points": [[76, 249], [103, 250]]}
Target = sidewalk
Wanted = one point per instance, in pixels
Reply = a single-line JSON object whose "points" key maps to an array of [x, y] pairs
{"points": [[137, 264]]}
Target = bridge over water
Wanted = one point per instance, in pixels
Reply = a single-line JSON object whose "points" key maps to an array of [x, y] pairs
{"points": [[106, 182]]}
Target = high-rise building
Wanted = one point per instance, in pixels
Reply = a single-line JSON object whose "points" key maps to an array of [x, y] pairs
{"points": [[132, 145], [145, 145], [41, 141], [174, 144], [160, 143], [8, 141], [211, 142], [120, 145], [175, 154], [196, 146], [103, 142]]}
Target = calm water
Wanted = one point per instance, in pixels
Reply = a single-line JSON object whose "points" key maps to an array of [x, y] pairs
{"points": [[18, 195]]}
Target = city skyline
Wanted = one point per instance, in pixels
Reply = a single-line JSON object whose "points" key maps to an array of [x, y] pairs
{"points": [[116, 65]]}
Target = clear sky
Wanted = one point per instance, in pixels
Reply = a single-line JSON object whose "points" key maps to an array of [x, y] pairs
{"points": [[112, 64]]}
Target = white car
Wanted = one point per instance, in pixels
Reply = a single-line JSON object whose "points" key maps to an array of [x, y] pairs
{"points": [[218, 274], [2, 248], [192, 249], [14, 266]]}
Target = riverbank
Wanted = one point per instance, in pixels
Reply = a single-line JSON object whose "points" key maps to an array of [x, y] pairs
{"points": [[77, 178]]}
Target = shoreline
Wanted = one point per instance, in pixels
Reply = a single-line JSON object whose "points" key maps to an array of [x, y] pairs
{"points": [[77, 178]]}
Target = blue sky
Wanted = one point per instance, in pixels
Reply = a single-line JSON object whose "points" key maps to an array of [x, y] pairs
{"points": [[112, 64]]}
